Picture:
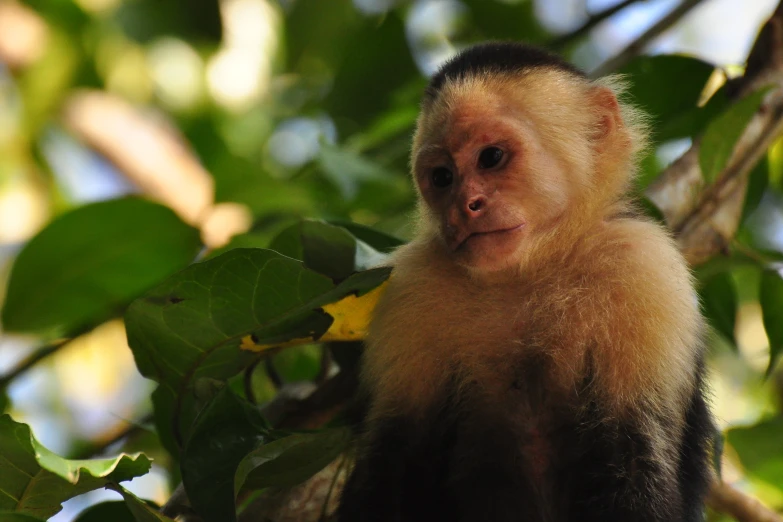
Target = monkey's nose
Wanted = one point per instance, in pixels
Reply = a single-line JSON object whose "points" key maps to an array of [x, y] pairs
{"points": [[475, 205]]}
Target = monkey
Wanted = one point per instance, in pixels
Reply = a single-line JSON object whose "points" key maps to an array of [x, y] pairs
{"points": [[538, 354]]}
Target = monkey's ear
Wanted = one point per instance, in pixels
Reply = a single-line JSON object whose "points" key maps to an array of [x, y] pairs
{"points": [[608, 119]]}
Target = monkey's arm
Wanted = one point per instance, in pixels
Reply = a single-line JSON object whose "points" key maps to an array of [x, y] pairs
{"points": [[636, 469], [646, 432]]}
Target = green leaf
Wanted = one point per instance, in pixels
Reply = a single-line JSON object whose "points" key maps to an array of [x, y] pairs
{"points": [[771, 300], [722, 134], [298, 363], [502, 20], [692, 122], [380, 46], [145, 20], [652, 210], [328, 249], [291, 460], [666, 87], [141, 510], [758, 182], [192, 325], [719, 301], [247, 240], [115, 511], [35, 481], [319, 31], [346, 169], [225, 431], [88, 264], [380, 241], [6, 516], [760, 449]]}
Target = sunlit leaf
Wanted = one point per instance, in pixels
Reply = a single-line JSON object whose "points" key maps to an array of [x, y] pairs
{"points": [[88, 264], [291, 460], [719, 300], [760, 449], [44, 84], [771, 300], [192, 325], [298, 363], [35, 481], [352, 316], [225, 431], [722, 134], [350, 320]]}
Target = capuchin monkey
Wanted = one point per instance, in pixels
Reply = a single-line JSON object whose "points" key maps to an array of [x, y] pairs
{"points": [[538, 355]]}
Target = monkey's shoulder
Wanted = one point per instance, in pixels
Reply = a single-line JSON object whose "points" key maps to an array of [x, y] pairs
{"points": [[644, 318]]}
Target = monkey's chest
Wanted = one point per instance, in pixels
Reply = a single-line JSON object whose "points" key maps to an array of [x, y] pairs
{"points": [[491, 355]]}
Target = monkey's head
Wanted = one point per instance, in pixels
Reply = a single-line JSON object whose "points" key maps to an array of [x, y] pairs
{"points": [[516, 152]]}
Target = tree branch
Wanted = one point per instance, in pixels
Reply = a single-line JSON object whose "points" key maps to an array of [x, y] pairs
{"points": [[726, 499], [705, 220], [635, 47], [115, 435], [595, 19], [36, 357]]}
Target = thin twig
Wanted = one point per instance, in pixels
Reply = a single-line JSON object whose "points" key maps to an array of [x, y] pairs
{"points": [[636, 47], [271, 372], [36, 357], [325, 507], [99, 447], [594, 19]]}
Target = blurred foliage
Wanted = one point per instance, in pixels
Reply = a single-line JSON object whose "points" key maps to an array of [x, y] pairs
{"points": [[297, 109]]}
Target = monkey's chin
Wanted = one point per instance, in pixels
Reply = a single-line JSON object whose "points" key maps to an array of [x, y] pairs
{"points": [[494, 251]]}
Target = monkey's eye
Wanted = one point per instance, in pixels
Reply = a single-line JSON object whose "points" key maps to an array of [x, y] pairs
{"points": [[490, 157], [442, 177]]}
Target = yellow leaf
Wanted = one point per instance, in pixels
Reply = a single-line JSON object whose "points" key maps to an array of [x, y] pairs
{"points": [[351, 317]]}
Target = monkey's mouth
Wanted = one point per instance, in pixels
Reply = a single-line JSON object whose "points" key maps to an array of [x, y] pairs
{"points": [[499, 232]]}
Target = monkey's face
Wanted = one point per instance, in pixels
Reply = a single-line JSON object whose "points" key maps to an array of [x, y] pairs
{"points": [[489, 183]]}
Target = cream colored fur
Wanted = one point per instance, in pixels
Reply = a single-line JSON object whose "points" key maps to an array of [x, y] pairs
{"points": [[600, 288]]}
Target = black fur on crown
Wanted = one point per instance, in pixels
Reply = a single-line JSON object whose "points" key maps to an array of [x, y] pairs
{"points": [[498, 58]]}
